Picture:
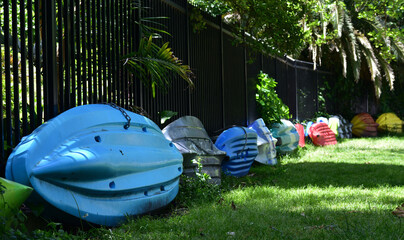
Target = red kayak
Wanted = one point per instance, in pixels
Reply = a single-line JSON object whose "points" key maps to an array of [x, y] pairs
{"points": [[300, 131], [322, 135]]}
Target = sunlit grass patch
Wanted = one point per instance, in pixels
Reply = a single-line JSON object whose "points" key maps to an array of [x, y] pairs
{"points": [[346, 191]]}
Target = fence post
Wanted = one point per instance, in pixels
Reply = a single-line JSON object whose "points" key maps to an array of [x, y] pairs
{"points": [[222, 71], [49, 58], [245, 85], [187, 14]]}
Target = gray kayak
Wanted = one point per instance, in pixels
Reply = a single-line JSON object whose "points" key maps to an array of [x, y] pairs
{"points": [[200, 154]]}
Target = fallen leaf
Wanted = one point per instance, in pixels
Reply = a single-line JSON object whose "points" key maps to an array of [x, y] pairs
{"points": [[233, 206], [399, 212], [251, 175], [231, 233], [304, 215]]}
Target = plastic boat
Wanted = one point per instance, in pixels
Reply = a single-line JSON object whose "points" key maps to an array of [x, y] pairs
{"points": [[300, 130], [288, 138], [191, 139], [266, 143], [99, 163], [322, 135], [364, 125], [344, 127], [14, 194], [240, 144], [389, 122]]}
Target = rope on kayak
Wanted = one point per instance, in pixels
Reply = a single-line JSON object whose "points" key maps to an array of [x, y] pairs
{"points": [[127, 125]]}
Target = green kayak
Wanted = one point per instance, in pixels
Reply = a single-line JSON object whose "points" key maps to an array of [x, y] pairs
{"points": [[13, 195]]}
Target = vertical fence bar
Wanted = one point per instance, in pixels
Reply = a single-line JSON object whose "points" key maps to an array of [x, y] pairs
{"points": [[66, 48], [139, 37], [38, 63], [89, 58], [188, 56], [245, 86], [79, 51], [16, 137], [72, 95], [49, 49], [131, 49], [125, 47], [118, 53], [2, 163], [109, 58], [114, 53], [104, 52], [61, 56], [99, 51], [222, 71], [295, 92], [94, 47], [31, 68], [7, 73], [23, 70], [84, 51]]}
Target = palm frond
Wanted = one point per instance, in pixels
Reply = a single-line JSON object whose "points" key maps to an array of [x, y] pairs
{"points": [[337, 18], [397, 47], [350, 33], [367, 51], [155, 65], [388, 71], [343, 60]]}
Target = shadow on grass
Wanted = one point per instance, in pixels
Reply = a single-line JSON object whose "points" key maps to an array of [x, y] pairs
{"points": [[324, 174]]}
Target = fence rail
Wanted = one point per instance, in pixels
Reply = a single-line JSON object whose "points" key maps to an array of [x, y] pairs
{"points": [[58, 54]]}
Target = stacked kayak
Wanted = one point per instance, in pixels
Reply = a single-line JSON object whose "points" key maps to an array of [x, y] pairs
{"points": [[266, 143], [333, 124], [344, 128], [389, 122], [307, 129], [288, 138], [99, 163], [322, 119], [364, 125], [191, 139], [14, 194], [240, 144], [300, 130], [322, 135]]}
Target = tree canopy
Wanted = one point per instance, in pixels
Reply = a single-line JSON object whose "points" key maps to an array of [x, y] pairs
{"points": [[365, 34]]}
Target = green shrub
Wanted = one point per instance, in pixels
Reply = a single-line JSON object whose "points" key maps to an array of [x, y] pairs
{"points": [[270, 106]]}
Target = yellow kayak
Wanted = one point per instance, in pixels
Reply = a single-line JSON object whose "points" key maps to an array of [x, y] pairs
{"points": [[389, 122]]}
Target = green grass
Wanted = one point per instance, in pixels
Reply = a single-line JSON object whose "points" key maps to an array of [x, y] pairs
{"points": [[347, 191]]}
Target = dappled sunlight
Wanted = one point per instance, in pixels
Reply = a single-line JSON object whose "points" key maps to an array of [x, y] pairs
{"points": [[318, 198]]}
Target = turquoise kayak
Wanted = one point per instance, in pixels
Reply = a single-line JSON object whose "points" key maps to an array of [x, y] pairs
{"points": [[99, 163]]}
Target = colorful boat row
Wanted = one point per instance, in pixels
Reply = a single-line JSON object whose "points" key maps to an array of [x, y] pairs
{"points": [[101, 163]]}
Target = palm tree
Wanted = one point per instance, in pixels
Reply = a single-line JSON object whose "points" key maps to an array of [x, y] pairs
{"points": [[342, 31]]}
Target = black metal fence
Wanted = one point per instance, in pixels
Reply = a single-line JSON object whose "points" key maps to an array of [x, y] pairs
{"points": [[57, 54]]}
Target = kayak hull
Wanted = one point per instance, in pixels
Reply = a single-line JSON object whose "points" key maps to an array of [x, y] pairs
{"points": [[86, 163]]}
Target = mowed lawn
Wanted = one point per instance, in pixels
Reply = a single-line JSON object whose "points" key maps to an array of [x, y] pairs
{"points": [[347, 191]]}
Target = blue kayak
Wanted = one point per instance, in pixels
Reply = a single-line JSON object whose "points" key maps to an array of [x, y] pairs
{"points": [[99, 163], [266, 143], [240, 144]]}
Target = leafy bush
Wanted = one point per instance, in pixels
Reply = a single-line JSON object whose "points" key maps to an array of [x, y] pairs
{"points": [[197, 189], [270, 106]]}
